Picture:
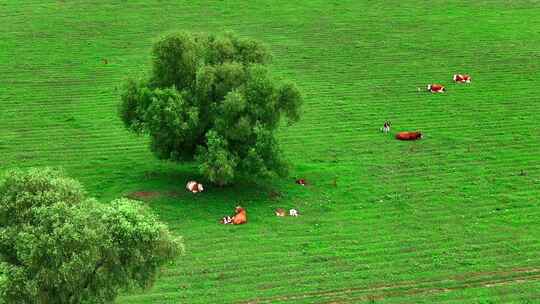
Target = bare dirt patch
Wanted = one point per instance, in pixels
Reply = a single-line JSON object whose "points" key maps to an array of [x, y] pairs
{"points": [[149, 195], [143, 195]]}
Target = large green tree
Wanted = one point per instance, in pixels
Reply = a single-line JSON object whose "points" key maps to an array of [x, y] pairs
{"points": [[212, 99], [58, 246]]}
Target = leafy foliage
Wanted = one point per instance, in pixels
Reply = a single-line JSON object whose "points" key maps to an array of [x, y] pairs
{"points": [[57, 246], [212, 99]]}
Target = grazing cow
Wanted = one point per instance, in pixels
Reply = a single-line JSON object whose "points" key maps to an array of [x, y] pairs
{"points": [[386, 127], [463, 78], [293, 212], [280, 212], [194, 187], [301, 182], [240, 217], [409, 135], [436, 88]]}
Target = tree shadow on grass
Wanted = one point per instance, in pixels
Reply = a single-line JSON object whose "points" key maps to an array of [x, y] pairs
{"points": [[164, 191]]}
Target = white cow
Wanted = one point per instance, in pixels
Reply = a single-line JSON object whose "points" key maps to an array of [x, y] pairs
{"points": [[293, 212]]}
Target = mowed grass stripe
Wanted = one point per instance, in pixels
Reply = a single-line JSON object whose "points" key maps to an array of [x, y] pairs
{"points": [[401, 286], [389, 291], [508, 138], [486, 163], [354, 113], [509, 290], [389, 244], [339, 275], [461, 158], [465, 294], [346, 260]]}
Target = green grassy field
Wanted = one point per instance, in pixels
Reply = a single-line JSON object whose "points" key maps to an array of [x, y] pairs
{"points": [[448, 219]]}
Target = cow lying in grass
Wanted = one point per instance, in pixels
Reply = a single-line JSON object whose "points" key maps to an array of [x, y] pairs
{"points": [[226, 220], [436, 88], [301, 182], [239, 218], [409, 135], [281, 212], [462, 78], [194, 187], [386, 127]]}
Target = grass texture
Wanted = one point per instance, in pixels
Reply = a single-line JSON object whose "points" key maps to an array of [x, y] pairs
{"points": [[453, 218]]}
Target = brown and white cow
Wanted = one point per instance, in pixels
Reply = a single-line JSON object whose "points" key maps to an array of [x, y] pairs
{"points": [[280, 212], [301, 182], [462, 78], [436, 88], [409, 135], [226, 220], [194, 187]]}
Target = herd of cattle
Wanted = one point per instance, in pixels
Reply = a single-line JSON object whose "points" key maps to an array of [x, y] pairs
{"points": [[433, 88], [240, 216]]}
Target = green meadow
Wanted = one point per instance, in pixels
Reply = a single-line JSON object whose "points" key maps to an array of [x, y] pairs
{"points": [[452, 218]]}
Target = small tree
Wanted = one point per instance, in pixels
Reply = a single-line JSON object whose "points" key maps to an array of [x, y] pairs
{"points": [[212, 99], [57, 246]]}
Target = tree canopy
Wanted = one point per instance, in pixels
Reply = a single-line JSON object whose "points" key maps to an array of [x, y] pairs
{"points": [[212, 99], [58, 246]]}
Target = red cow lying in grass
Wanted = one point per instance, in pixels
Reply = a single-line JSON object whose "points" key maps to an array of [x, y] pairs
{"points": [[240, 217], [436, 88], [409, 135], [463, 78]]}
